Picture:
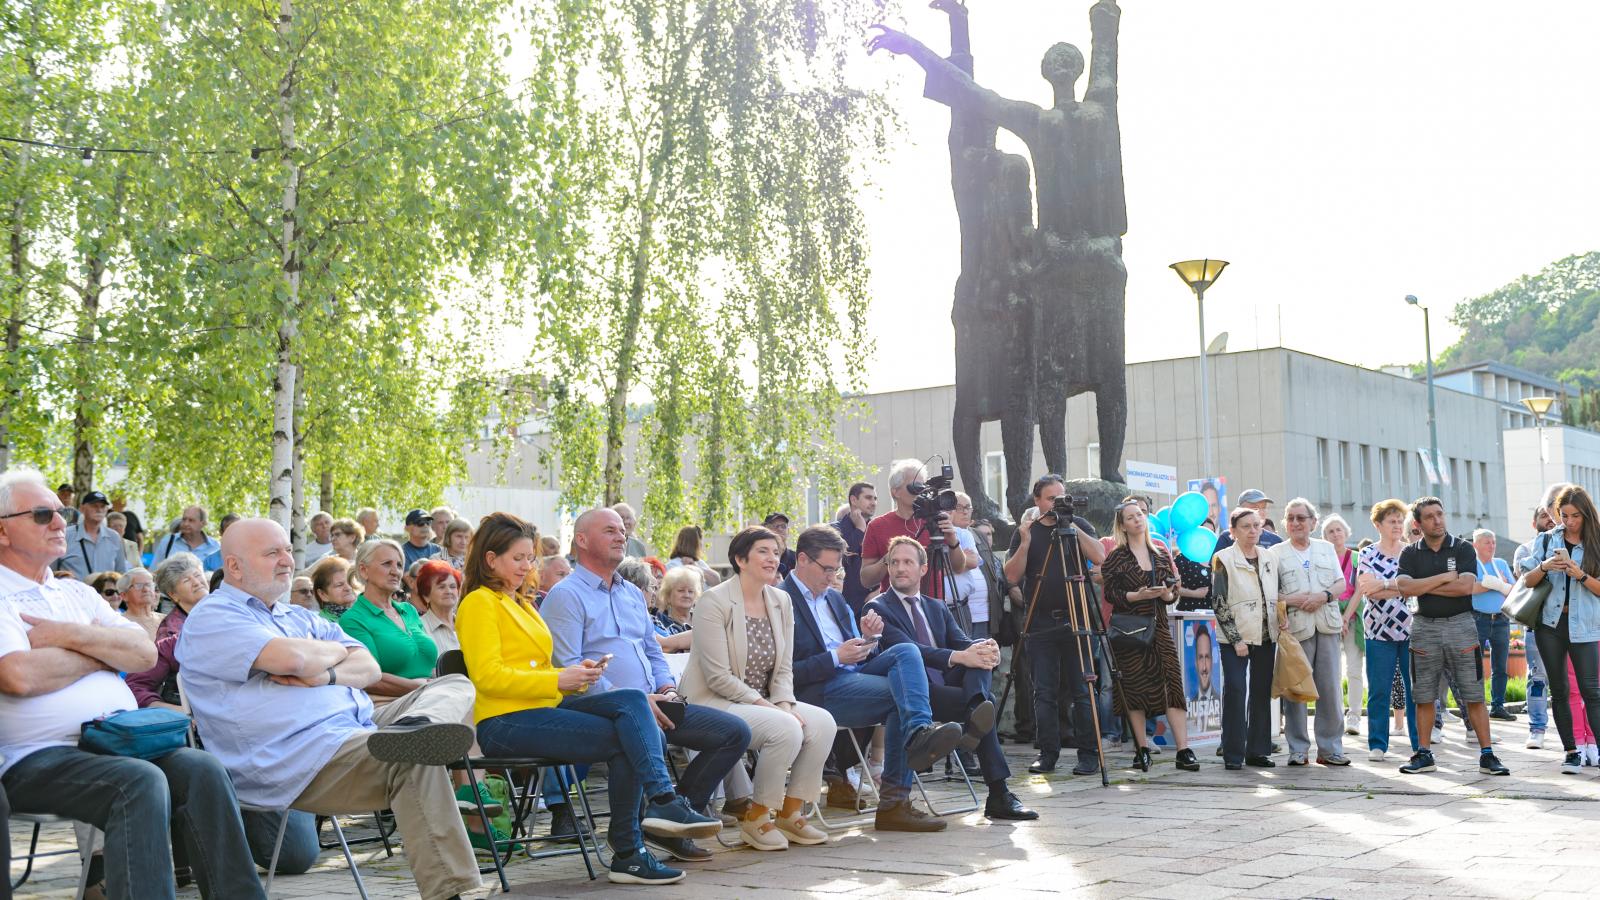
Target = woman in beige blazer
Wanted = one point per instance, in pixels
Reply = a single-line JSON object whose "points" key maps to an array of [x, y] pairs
{"points": [[741, 660]]}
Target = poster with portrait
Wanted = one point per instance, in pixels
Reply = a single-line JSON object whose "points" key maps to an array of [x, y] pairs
{"points": [[1202, 678], [1216, 491]]}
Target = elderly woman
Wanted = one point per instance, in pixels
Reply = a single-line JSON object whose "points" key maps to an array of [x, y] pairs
{"points": [[439, 589], [346, 536], [387, 625], [1138, 581], [686, 551], [1386, 625], [1336, 531], [742, 661], [180, 577], [528, 707], [638, 573], [457, 535], [1309, 585], [138, 591], [1244, 590], [118, 523], [680, 588], [331, 588], [105, 584]]}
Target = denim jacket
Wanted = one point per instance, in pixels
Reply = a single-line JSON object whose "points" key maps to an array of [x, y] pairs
{"points": [[1583, 622]]}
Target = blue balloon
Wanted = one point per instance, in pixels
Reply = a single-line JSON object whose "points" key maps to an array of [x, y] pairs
{"points": [[1189, 511], [1159, 525], [1198, 544]]}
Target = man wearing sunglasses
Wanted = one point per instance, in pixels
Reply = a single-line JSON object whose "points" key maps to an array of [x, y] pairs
{"points": [[91, 545], [61, 648]]}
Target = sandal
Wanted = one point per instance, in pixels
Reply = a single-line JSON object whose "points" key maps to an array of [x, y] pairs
{"points": [[799, 831], [761, 834]]}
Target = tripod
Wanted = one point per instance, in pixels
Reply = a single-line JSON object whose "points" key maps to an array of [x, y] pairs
{"points": [[1083, 619]]}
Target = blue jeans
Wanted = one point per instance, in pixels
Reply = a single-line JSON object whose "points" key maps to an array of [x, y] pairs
{"points": [[1538, 685], [891, 688], [133, 801], [1382, 659], [615, 727], [1494, 632], [300, 847]]}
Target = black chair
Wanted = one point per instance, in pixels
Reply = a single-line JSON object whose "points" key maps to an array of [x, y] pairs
{"points": [[451, 662]]}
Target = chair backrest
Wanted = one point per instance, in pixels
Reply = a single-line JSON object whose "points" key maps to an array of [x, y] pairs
{"points": [[183, 702], [450, 662]]}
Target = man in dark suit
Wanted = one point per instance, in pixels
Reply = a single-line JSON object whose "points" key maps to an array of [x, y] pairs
{"points": [[849, 676], [959, 669]]}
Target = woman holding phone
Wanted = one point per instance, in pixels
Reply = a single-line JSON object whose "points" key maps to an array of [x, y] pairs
{"points": [[1138, 582], [527, 707], [1569, 626]]}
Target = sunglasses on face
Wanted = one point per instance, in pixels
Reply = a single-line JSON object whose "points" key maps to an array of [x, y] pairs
{"points": [[42, 515], [108, 592]]}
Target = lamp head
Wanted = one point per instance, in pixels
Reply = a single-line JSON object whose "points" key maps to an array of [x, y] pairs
{"points": [[1538, 405], [1412, 299], [1199, 274]]}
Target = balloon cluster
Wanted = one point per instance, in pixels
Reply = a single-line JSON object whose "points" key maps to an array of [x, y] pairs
{"points": [[1182, 525]]}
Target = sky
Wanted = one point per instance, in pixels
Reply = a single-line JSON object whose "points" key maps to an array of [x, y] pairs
{"points": [[1339, 156]]}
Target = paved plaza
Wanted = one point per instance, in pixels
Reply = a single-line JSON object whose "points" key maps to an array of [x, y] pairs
{"points": [[1364, 832]]}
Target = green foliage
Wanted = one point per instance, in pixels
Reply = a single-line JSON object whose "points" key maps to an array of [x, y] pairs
{"points": [[1547, 323]]}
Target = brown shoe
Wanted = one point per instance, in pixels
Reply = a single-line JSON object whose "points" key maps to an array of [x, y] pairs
{"points": [[842, 796], [902, 816]]}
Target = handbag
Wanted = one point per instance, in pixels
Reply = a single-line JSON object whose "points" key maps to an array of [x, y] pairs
{"points": [[1132, 632], [1524, 603], [139, 733]]}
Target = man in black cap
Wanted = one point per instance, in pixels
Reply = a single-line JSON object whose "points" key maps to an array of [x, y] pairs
{"points": [[1251, 499], [69, 509], [419, 528], [91, 545], [778, 524]]}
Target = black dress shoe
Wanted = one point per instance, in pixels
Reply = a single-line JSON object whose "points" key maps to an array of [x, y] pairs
{"points": [[979, 723], [1233, 767], [1260, 762], [1042, 765], [1004, 805], [1086, 766], [1141, 759], [1187, 761], [931, 743]]}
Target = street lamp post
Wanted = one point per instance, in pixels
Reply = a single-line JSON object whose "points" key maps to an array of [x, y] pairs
{"points": [[1433, 421], [1200, 274], [1539, 406]]}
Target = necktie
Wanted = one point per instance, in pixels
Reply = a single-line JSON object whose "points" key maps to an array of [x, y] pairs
{"points": [[924, 636]]}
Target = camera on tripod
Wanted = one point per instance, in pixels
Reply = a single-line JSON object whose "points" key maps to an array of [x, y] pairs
{"points": [[933, 498], [1066, 506]]}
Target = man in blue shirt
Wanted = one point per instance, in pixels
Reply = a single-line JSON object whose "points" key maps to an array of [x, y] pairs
{"points": [[593, 613], [419, 530], [1494, 627], [92, 546], [1261, 503], [845, 673], [278, 696], [852, 526], [190, 537]]}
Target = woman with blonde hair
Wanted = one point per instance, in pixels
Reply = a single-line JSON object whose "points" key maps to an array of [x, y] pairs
{"points": [[345, 535], [1386, 624]]}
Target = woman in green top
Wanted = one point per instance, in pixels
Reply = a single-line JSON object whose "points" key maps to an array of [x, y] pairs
{"points": [[392, 631]]}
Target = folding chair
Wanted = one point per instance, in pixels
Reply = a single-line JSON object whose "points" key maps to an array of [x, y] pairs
{"points": [[868, 786], [38, 821], [524, 806]]}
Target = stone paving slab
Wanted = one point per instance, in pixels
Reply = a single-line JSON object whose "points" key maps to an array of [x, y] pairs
{"points": [[1364, 832]]}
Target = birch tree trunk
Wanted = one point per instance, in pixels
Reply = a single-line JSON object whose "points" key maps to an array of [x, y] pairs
{"points": [[280, 505]]}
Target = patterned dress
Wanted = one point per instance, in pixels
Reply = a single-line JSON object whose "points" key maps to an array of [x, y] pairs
{"points": [[1151, 681], [762, 657], [1194, 575]]}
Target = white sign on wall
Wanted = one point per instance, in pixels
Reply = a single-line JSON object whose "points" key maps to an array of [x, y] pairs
{"points": [[1153, 477]]}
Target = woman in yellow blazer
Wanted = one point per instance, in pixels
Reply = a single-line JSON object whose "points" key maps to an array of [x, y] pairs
{"points": [[741, 660], [527, 707]]}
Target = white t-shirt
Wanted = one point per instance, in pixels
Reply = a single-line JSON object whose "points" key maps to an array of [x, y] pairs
{"points": [[974, 589], [315, 551], [30, 724]]}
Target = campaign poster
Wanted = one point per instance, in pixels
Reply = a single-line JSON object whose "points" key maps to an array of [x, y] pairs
{"points": [[1202, 678], [1216, 491]]}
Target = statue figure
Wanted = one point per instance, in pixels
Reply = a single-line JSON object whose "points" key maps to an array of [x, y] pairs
{"points": [[1076, 290], [993, 322]]}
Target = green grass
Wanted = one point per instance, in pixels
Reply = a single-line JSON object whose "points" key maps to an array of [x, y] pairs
{"points": [[1516, 690]]}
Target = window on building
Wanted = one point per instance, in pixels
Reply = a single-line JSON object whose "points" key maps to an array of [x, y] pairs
{"points": [[1404, 459], [1483, 484], [1346, 497], [1470, 488], [1324, 492], [1385, 486], [994, 475], [1093, 461], [1365, 459], [1455, 486]]}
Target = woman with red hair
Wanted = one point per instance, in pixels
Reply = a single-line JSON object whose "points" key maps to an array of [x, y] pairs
{"points": [[439, 589]]}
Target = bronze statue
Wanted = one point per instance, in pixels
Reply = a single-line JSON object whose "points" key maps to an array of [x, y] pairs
{"points": [[1062, 288]]}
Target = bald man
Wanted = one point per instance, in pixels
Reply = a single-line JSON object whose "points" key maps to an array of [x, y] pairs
{"points": [[277, 693]]}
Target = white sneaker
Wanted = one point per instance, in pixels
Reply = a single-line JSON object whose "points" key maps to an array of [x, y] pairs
{"points": [[1438, 735], [1591, 755], [1376, 755], [1535, 740]]}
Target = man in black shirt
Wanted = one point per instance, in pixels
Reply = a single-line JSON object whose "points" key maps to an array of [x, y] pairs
{"points": [[1052, 647], [1440, 571]]}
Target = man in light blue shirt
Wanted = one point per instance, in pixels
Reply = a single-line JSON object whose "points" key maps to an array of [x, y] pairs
{"points": [[91, 546], [278, 696], [1494, 627], [594, 612], [190, 537]]}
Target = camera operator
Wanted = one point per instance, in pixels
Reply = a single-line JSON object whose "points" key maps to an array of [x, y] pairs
{"points": [[905, 482], [1052, 648]]}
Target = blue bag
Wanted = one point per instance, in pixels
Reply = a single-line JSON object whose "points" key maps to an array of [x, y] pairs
{"points": [[139, 733]]}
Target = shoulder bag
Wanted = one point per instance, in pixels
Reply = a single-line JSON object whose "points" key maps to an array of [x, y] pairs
{"points": [[1524, 603], [140, 733]]}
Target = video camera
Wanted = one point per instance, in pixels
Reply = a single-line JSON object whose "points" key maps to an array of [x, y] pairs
{"points": [[934, 497], [1066, 506]]}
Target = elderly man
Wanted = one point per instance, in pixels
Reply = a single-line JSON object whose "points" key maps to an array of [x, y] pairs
{"points": [[190, 537], [91, 545], [905, 479], [61, 648], [367, 518], [442, 517], [594, 613], [1257, 500], [1494, 627], [118, 523], [69, 509], [630, 521], [551, 570], [278, 696], [321, 543], [419, 533], [135, 529]]}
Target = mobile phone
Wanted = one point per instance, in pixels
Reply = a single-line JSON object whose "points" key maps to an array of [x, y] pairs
{"points": [[876, 638], [602, 661], [673, 710]]}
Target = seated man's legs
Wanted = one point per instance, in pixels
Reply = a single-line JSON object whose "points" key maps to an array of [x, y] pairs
{"points": [[300, 846], [422, 797], [204, 805], [859, 700], [128, 799], [954, 701], [720, 740], [5, 849]]}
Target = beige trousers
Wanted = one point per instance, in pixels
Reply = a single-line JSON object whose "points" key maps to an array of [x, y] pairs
{"points": [[789, 756], [422, 798]]}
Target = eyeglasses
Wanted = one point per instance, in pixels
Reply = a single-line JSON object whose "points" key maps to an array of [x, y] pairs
{"points": [[108, 592], [301, 592], [1300, 518], [42, 515]]}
